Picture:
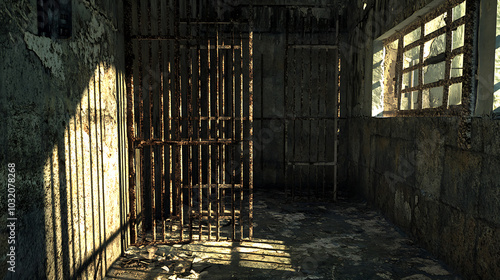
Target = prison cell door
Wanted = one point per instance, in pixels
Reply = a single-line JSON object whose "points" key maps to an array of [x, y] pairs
{"points": [[311, 130], [190, 127]]}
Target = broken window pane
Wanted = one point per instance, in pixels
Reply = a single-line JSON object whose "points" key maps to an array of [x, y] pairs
{"points": [[412, 36], [457, 37], [409, 100], [435, 46], [410, 79], [377, 80], [435, 24], [411, 57], [432, 98], [459, 11], [455, 94], [457, 66], [434, 72]]}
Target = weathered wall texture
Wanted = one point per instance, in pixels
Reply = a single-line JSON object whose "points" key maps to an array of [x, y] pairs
{"points": [[412, 168], [62, 125]]}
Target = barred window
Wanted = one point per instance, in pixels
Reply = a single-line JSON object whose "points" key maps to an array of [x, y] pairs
{"points": [[422, 69]]}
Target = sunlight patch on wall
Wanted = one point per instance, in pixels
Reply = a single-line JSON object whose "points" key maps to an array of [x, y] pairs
{"points": [[81, 178]]}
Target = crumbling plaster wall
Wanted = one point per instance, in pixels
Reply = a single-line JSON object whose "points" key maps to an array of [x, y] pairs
{"points": [[62, 119], [413, 168]]}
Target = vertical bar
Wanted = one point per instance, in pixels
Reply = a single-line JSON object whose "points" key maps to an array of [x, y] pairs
{"points": [[141, 117], [200, 166], [151, 88], [335, 95], [285, 95], [129, 56], [250, 117], [190, 123], [222, 125], [209, 123], [293, 114], [421, 68], [217, 133], [233, 136], [447, 67], [177, 115], [399, 72], [241, 142], [319, 89], [164, 120], [310, 168], [170, 123]]}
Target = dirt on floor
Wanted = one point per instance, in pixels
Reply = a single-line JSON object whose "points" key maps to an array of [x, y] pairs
{"points": [[293, 240]]}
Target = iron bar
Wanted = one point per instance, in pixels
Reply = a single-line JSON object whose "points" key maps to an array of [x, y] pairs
{"points": [[310, 74], [250, 115], [200, 166], [233, 136], [151, 73], [217, 133], [141, 112], [335, 125], [190, 125], [177, 131], [241, 138], [209, 130], [129, 54]]}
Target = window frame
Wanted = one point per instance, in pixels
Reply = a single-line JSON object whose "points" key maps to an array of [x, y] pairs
{"points": [[467, 64]]}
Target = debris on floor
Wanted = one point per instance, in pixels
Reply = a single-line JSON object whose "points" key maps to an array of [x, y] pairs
{"points": [[293, 240]]}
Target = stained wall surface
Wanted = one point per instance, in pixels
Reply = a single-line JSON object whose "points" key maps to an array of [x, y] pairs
{"points": [[62, 125]]}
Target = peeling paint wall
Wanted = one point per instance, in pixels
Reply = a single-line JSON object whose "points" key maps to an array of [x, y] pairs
{"points": [[62, 125], [414, 169]]}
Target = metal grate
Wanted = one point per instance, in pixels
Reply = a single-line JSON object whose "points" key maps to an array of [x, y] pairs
{"points": [[190, 108]]}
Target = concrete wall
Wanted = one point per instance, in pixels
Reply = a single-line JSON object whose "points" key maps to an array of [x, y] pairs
{"points": [[62, 126], [413, 168]]}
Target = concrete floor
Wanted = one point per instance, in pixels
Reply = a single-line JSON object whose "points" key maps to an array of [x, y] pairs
{"points": [[297, 240]]}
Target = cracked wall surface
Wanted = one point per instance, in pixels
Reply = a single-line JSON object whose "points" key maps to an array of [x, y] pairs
{"points": [[62, 125], [414, 168]]}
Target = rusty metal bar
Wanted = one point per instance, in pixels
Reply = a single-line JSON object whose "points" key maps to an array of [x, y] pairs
{"points": [[177, 107], [250, 112], [217, 133], [190, 125], [447, 67], [241, 139], [399, 74], [209, 130], [285, 105], [220, 118], [421, 69], [222, 126], [171, 91], [129, 56], [310, 74], [318, 143], [293, 112], [151, 125], [233, 136], [141, 117], [200, 166], [163, 115], [335, 126]]}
